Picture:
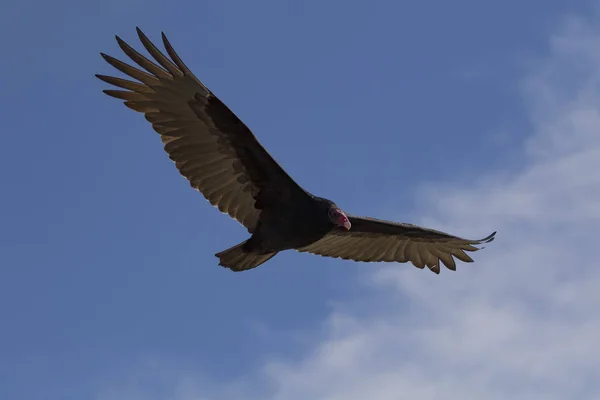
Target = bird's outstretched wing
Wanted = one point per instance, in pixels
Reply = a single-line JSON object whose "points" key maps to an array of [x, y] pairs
{"points": [[209, 144], [373, 240]]}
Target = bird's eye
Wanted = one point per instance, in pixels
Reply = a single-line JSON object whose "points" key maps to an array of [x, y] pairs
{"points": [[334, 213]]}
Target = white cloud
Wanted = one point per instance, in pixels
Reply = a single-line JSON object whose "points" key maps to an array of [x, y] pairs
{"points": [[520, 323]]}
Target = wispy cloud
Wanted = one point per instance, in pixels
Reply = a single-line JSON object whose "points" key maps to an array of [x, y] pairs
{"points": [[520, 323]]}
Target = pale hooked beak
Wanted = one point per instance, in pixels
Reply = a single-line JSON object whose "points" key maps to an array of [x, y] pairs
{"points": [[347, 224], [340, 218]]}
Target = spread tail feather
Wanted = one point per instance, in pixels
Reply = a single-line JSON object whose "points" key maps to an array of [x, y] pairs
{"points": [[237, 258]]}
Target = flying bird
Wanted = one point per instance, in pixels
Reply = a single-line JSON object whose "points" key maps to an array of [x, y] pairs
{"points": [[221, 158]]}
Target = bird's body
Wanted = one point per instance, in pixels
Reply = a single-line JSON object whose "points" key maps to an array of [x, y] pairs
{"points": [[222, 159], [307, 223]]}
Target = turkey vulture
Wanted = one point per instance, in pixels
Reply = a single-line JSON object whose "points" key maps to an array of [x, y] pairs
{"points": [[222, 159]]}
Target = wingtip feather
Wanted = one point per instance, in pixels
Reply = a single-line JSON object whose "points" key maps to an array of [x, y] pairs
{"points": [[141, 35], [489, 238], [435, 269]]}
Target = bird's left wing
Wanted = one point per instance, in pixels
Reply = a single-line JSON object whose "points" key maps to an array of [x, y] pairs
{"points": [[372, 240], [210, 145]]}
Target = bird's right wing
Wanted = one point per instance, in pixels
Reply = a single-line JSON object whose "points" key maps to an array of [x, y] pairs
{"points": [[210, 145], [373, 240]]}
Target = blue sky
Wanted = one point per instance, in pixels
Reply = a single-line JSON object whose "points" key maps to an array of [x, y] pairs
{"points": [[464, 116]]}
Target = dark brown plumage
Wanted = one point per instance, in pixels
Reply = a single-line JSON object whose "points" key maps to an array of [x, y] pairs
{"points": [[222, 159]]}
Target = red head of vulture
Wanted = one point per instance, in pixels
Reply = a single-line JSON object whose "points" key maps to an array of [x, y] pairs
{"points": [[222, 159]]}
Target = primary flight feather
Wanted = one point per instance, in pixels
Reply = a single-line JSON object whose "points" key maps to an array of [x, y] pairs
{"points": [[224, 161]]}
